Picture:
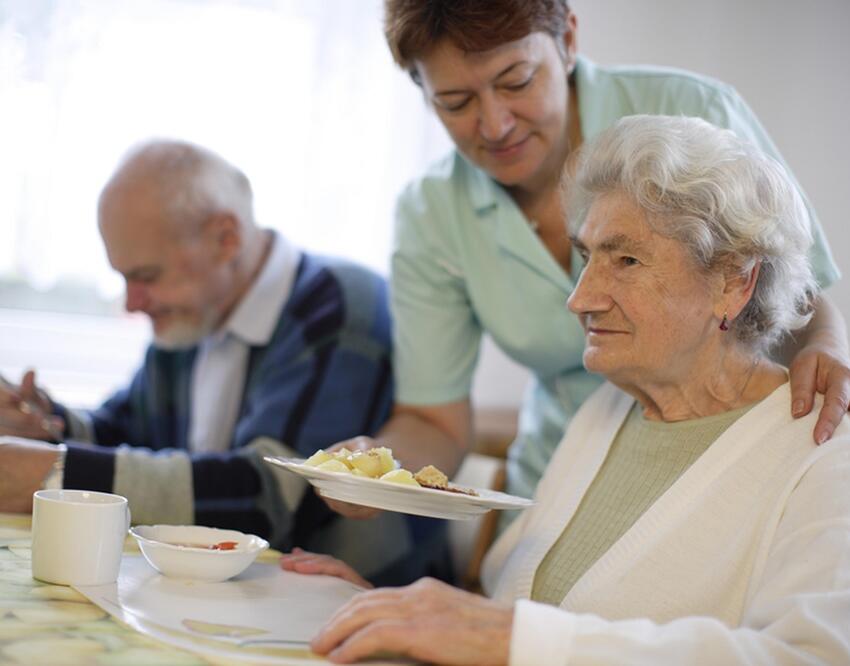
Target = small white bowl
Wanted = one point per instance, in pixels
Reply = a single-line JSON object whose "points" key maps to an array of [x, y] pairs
{"points": [[178, 551]]}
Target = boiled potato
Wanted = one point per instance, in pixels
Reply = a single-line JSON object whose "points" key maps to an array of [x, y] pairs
{"points": [[375, 463], [385, 455], [367, 462], [318, 458], [334, 465], [344, 456], [401, 476]]}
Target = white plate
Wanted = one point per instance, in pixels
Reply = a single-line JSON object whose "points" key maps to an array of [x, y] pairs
{"points": [[397, 497]]}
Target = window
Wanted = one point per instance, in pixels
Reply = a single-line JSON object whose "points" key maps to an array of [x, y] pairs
{"points": [[301, 95]]}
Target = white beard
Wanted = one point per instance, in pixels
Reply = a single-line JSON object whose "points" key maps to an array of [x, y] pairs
{"points": [[183, 334]]}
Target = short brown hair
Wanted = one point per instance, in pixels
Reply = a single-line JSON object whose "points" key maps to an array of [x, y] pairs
{"points": [[413, 27]]}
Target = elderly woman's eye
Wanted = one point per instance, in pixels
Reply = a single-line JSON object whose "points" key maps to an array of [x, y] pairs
{"points": [[629, 261]]}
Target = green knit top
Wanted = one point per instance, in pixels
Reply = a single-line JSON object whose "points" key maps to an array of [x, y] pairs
{"points": [[645, 459]]}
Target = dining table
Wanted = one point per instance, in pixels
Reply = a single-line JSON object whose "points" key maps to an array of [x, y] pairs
{"points": [[56, 625]]}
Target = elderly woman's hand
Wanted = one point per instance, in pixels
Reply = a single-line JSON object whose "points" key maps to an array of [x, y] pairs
{"points": [[429, 621], [819, 368], [315, 564]]}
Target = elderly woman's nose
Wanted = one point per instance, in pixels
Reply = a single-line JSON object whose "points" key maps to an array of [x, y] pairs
{"points": [[591, 292], [573, 303], [495, 120]]}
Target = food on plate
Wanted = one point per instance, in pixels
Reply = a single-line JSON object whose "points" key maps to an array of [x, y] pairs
{"points": [[318, 458], [344, 456], [378, 463], [374, 462], [334, 465], [430, 477], [402, 476], [221, 545]]}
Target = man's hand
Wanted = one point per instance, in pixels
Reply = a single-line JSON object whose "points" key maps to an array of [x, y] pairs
{"points": [[23, 467], [26, 411], [820, 369]]}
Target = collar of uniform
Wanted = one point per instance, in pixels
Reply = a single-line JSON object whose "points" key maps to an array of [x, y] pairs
{"points": [[602, 98], [483, 191], [257, 314]]}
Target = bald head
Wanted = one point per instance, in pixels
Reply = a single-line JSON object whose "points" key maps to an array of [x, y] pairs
{"points": [[177, 223], [183, 183]]}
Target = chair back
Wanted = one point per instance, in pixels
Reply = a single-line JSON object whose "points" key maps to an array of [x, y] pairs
{"points": [[469, 540]]}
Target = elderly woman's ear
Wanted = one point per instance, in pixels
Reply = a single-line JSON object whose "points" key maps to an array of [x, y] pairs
{"points": [[738, 287]]}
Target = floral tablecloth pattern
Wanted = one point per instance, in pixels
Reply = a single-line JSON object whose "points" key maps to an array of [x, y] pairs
{"points": [[54, 625]]}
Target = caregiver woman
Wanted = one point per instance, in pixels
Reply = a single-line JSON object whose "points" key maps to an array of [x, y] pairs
{"points": [[685, 518], [480, 243]]}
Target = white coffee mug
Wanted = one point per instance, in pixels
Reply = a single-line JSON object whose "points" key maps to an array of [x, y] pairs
{"points": [[78, 536]]}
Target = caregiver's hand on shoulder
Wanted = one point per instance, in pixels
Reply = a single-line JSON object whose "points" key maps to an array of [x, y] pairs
{"points": [[821, 369], [428, 621], [316, 564]]}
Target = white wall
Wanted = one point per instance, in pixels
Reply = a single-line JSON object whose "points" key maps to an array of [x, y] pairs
{"points": [[787, 59]]}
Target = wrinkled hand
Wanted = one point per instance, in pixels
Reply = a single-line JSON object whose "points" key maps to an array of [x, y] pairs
{"points": [[314, 564], [819, 369], [25, 411], [429, 621], [355, 511], [23, 467]]}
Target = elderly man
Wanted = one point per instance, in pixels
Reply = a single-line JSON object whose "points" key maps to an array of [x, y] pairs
{"points": [[259, 349]]}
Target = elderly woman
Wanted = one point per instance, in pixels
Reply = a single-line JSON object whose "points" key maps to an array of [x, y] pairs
{"points": [[686, 517], [480, 246]]}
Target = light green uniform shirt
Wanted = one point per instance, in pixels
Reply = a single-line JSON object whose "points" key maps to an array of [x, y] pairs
{"points": [[645, 459], [465, 261]]}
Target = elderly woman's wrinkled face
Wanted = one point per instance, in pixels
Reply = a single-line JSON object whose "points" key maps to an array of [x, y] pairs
{"points": [[645, 307]]}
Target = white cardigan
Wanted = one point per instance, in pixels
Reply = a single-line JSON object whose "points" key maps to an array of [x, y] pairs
{"points": [[744, 560]]}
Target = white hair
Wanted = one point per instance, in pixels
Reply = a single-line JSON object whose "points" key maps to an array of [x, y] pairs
{"points": [[725, 200], [193, 181]]}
